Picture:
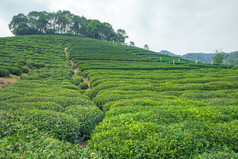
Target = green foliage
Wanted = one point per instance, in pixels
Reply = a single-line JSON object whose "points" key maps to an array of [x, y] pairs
{"points": [[88, 116], [34, 122], [218, 155], [58, 125], [153, 109], [64, 22], [219, 56], [77, 80], [31, 105], [35, 145], [25, 70], [13, 70], [4, 72], [83, 85], [160, 141], [69, 85]]}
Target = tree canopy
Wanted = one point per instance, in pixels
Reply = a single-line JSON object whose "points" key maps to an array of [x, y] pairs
{"points": [[64, 22], [219, 56]]}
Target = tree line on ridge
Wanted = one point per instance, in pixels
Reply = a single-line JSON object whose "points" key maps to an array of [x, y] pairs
{"points": [[64, 22]]}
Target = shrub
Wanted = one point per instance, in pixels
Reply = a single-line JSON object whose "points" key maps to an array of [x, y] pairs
{"points": [[25, 70], [33, 77], [149, 140], [58, 125], [77, 80], [83, 85], [4, 72], [70, 86], [61, 100], [79, 73], [14, 70], [39, 145], [31, 105], [218, 155], [89, 117], [36, 64], [8, 95]]}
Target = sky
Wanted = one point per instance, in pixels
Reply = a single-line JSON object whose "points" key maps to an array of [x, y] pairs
{"points": [[179, 26]]}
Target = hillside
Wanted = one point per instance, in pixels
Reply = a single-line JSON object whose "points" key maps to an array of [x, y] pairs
{"points": [[140, 104], [229, 58], [200, 57]]}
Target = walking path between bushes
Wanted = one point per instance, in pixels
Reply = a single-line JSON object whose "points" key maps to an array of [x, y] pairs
{"points": [[76, 70], [83, 144]]}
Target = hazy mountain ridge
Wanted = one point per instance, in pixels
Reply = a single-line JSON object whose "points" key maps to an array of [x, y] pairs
{"points": [[229, 58]]}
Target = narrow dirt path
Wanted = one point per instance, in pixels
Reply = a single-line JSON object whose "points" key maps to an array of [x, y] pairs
{"points": [[71, 62], [82, 144], [87, 81], [76, 70]]}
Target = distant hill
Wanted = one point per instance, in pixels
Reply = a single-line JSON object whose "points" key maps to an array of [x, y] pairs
{"points": [[229, 58], [200, 57], [165, 52]]}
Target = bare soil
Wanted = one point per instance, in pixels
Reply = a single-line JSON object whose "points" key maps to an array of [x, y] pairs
{"points": [[4, 81], [83, 144], [87, 81]]}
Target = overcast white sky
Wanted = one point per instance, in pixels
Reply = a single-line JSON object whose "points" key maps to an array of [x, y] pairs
{"points": [[179, 26]]}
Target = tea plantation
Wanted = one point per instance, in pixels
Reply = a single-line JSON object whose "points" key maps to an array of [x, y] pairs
{"points": [[140, 104]]}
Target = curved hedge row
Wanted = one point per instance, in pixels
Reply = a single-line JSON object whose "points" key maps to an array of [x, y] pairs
{"points": [[59, 125], [39, 145], [44, 115], [31, 105], [13, 70], [4, 72], [150, 140], [89, 117]]}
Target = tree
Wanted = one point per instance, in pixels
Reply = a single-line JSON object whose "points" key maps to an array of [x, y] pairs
{"points": [[146, 47], [17, 21], [121, 36], [75, 28], [94, 28], [38, 21], [219, 56], [132, 43], [107, 32], [24, 29], [64, 22]]}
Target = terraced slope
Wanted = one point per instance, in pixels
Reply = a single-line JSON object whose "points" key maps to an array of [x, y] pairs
{"points": [[158, 109], [155, 106], [44, 115]]}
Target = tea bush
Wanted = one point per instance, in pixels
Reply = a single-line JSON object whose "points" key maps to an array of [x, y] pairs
{"points": [[77, 80], [149, 140], [13, 70], [89, 117], [83, 85], [39, 145], [58, 125], [4, 72], [34, 122], [31, 105], [153, 109], [217, 155]]}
